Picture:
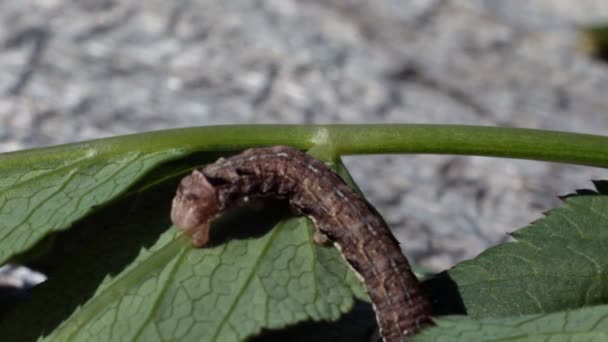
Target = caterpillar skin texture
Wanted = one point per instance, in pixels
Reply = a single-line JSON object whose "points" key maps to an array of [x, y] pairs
{"points": [[340, 214]]}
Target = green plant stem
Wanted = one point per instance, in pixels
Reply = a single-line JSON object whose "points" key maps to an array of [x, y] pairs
{"points": [[573, 148]]}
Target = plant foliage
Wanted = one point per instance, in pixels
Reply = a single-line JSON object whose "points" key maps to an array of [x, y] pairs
{"points": [[94, 217]]}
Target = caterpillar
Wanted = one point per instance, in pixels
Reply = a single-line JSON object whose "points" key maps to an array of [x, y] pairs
{"points": [[340, 215]]}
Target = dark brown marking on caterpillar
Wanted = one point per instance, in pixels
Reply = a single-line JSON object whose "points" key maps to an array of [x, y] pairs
{"points": [[339, 213]]}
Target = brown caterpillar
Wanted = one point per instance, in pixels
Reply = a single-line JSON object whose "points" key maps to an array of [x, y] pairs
{"points": [[339, 213]]}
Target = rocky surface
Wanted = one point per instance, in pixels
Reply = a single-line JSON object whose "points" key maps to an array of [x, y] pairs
{"points": [[72, 71]]}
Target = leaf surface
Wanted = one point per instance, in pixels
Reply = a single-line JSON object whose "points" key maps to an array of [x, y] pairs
{"points": [[104, 286], [49, 194], [582, 325], [558, 262], [226, 293]]}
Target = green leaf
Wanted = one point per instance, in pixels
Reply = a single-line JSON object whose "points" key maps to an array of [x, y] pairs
{"points": [[582, 325], [78, 260], [114, 196], [102, 285], [226, 293], [557, 263], [49, 194]]}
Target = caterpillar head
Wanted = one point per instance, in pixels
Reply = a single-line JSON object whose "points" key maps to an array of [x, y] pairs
{"points": [[194, 207]]}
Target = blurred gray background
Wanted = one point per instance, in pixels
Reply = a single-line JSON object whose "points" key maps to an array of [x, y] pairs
{"points": [[76, 70]]}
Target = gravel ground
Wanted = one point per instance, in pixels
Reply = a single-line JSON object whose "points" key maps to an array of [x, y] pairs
{"points": [[76, 70]]}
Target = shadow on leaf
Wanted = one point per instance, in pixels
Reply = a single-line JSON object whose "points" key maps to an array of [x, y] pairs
{"points": [[443, 293], [357, 325]]}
